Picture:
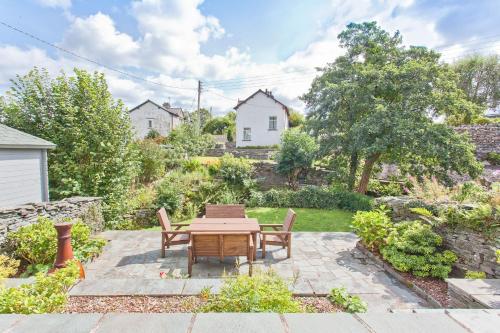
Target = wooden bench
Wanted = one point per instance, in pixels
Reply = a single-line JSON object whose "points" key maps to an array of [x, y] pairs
{"points": [[220, 244]]}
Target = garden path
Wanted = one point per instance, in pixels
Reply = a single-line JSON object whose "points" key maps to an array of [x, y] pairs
{"points": [[319, 262]]}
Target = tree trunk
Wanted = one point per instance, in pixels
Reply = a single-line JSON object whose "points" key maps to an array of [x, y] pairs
{"points": [[353, 167], [292, 179], [367, 170]]}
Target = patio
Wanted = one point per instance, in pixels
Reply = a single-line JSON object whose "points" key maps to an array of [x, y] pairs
{"points": [[319, 262]]}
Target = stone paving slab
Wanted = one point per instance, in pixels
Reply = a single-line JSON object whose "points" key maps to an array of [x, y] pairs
{"points": [[323, 322], [16, 282], [240, 323], [127, 287], [411, 322], [484, 291], [195, 286], [145, 322], [482, 321], [8, 320], [477, 321], [56, 323]]}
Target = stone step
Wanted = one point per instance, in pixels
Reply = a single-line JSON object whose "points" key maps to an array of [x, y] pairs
{"points": [[459, 321]]}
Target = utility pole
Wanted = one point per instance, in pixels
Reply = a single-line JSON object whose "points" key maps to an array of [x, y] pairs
{"points": [[198, 116]]}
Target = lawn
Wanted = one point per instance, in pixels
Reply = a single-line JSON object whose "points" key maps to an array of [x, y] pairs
{"points": [[308, 219], [212, 159]]}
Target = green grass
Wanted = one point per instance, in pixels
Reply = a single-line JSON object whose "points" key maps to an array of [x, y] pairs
{"points": [[212, 159], [308, 219]]}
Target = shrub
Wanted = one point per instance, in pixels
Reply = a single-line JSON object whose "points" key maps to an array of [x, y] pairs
{"points": [[381, 189], [497, 252], [350, 303], [475, 275], [413, 247], [8, 266], [191, 165], [493, 158], [152, 134], [482, 218], [263, 292], [48, 293], [37, 243], [186, 141], [151, 159], [372, 227], [310, 197], [422, 211], [471, 192], [234, 170], [296, 154]]}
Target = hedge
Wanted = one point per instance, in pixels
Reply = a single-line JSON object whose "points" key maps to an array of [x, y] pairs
{"points": [[311, 197]]}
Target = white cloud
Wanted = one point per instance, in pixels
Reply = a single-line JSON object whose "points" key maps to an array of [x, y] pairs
{"points": [[96, 37], [14, 60], [64, 4]]}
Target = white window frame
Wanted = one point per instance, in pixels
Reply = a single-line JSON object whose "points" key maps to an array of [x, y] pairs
{"points": [[273, 123], [247, 134]]}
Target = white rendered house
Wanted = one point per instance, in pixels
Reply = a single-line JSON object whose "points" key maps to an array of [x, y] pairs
{"points": [[149, 116], [260, 120]]}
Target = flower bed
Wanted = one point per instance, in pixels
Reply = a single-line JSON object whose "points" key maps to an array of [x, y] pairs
{"points": [[170, 304]]}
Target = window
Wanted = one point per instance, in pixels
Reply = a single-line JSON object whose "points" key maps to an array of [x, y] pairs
{"points": [[273, 121], [150, 123], [247, 134]]}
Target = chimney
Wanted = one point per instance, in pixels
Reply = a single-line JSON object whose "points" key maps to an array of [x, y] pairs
{"points": [[166, 105]]}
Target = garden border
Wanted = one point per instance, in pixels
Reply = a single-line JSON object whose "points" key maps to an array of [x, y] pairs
{"points": [[392, 272]]}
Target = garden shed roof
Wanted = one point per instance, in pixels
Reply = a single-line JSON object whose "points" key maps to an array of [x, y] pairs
{"points": [[12, 138]]}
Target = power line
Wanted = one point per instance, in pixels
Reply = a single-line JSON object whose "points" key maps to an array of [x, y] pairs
{"points": [[90, 60], [249, 78], [479, 40]]}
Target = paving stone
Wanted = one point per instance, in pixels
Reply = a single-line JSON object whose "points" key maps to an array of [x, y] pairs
{"points": [[123, 287], [301, 287], [410, 322], [477, 286], [477, 321], [491, 301], [8, 320], [145, 322], [16, 282], [194, 286], [323, 322], [238, 322], [55, 323]]}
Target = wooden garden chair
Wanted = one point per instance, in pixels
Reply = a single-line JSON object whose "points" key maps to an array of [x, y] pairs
{"points": [[224, 211], [171, 233], [220, 244], [281, 234]]}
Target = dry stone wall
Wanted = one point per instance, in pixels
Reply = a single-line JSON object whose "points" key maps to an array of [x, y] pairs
{"points": [[256, 154], [266, 176], [86, 208], [485, 137]]}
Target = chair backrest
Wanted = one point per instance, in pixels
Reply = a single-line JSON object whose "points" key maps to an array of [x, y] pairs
{"points": [[214, 211], [164, 221], [207, 244], [289, 220]]}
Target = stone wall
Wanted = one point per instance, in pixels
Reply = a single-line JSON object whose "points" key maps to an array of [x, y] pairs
{"points": [[485, 137], [267, 177], [475, 252], [86, 208], [256, 154]]}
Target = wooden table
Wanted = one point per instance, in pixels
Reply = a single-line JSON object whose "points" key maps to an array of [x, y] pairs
{"points": [[227, 225]]}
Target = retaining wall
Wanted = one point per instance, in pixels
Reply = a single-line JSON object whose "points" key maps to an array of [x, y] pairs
{"points": [[86, 208]]}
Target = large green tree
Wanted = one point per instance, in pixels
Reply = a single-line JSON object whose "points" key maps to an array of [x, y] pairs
{"points": [[222, 125], [94, 155], [378, 102], [479, 78]]}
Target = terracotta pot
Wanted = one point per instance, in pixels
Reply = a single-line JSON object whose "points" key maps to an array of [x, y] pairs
{"points": [[64, 249]]}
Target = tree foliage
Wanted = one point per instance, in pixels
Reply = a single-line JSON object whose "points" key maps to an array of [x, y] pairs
{"points": [[94, 155], [222, 125], [296, 118], [377, 102], [479, 78], [296, 154]]}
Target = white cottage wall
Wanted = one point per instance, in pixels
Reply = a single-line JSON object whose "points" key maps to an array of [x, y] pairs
{"points": [[254, 114], [162, 121]]}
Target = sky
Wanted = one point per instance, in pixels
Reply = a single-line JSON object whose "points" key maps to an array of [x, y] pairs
{"points": [[158, 50]]}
